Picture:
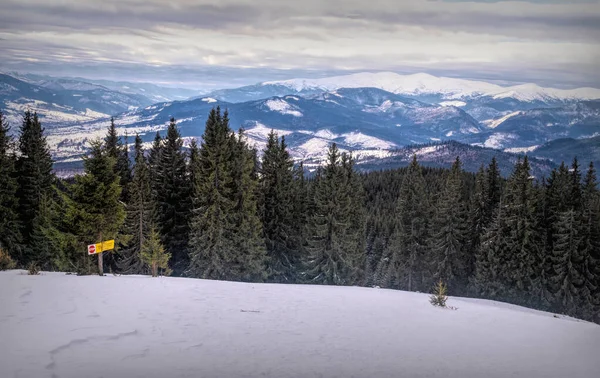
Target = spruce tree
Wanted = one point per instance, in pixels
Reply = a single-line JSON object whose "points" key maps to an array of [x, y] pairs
{"points": [[173, 198], [153, 160], [569, 280], [119, 151], [225, 212], [493, 190], [277, 210], [590, 244], [404, 264], [512, 244], [139, 214], [97, 212], [10, 235], [477, 220], [449, 240], [153, 255], [249, 251], [35, 179], [334, 252]]}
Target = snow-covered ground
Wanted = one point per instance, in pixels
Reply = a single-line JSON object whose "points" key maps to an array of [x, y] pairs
{"points": [[57, 325]]}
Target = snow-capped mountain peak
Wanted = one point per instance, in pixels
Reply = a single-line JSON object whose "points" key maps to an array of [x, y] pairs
{"points": [[426, 84]]}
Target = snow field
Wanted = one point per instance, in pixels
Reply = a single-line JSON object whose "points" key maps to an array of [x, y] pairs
{"points": [[57, 325]]}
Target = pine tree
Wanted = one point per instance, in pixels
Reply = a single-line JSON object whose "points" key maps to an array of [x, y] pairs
{"points": [[404, 264], [569, 280], [477, 220], [154, 256], [226, 212], [212, 226], [590, 244], [512, 244], [173, 198], [450, 233], [139, 214], [333, 252], [10, 235], [194, 167], [493, 190], [35, 179], [119, 151], [277, 210], [575, 197], [249, 251], [98, 214]]}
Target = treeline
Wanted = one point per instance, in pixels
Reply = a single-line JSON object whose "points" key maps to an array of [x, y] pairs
{"points": [[217, 211]]}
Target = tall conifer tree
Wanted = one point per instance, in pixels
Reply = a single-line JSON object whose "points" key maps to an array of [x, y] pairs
{"points": [[277, 209], [173, 198], [35, 179], [449, 240], [10, 235], [139, 214], [97, 213], [333, 254]]}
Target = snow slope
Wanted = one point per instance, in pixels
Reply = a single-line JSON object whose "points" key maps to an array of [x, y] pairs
{"points": [[423, 84], [57, 325]]}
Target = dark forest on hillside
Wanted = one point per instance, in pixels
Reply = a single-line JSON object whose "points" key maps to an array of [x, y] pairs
{"points": [[218, 211]]}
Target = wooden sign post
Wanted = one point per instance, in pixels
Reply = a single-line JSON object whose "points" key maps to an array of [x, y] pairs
{"points": [[97, 249]]}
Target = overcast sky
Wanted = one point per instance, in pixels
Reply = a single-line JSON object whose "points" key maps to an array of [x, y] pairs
{"points": [[205, 44]]}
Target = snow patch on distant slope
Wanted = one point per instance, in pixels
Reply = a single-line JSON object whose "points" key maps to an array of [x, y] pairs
{"points": [[493, 123], [326, 134], [521, 150], [366, 141], [453, 103], [262, 131], [283, 107], [313, 147], [498, 140], [209, 100]]}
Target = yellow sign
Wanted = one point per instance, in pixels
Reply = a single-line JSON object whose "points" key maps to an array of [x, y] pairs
{"points": [[107, 245], [101, 247]]}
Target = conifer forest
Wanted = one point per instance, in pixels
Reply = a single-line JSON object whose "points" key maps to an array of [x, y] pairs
{"points": [[219, 209]]}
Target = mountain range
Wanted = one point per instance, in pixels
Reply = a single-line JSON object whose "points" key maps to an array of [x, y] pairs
{"points": [[376, 116]]}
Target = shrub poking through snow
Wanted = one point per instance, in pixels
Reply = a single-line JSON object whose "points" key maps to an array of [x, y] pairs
{"points": [[438, 298], [6, 262], [154, 255], [33, 269]]}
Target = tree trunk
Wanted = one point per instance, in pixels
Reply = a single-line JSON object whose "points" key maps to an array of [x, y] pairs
{"points": [[100, 267]]}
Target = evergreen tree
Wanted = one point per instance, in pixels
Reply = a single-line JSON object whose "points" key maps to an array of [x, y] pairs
{"points": [[477, 220], [493, 190], [139, 214], [35, 179], [173, 198], [512, 244], [153, 167], [404, 264], [569, 265], [120, 153], [154, 256], [10, 235], [590, 244], [334, 254], [277, 210], [97, 213], [450, 233], [575, 197], [194, 167], [250, 253], [226, 212]]}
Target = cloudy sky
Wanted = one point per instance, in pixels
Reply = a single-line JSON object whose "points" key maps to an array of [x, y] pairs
{"points": [[205, 43]]}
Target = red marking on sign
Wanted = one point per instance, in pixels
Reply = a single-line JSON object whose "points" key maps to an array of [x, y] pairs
{"points": [[91, 249]]}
